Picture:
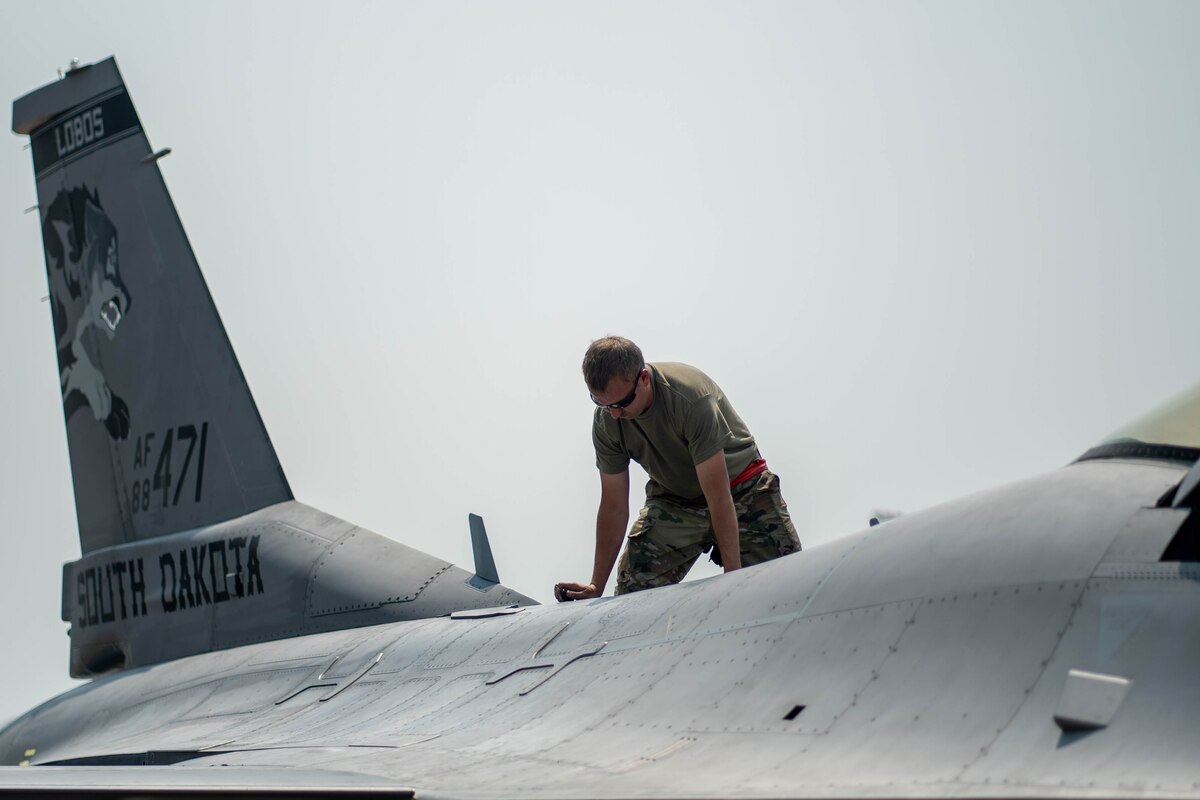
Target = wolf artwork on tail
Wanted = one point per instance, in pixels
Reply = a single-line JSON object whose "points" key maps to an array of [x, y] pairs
{"points": [[86, 294]]}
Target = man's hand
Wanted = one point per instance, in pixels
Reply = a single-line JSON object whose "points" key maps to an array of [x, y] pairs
{"points": [[611, 520], [568, 590]]}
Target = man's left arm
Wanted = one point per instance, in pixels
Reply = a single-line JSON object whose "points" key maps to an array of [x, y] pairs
{"points": [[714, 481]]}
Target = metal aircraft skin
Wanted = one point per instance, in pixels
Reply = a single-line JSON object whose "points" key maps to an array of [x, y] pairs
{"points": [[1037, 640]]}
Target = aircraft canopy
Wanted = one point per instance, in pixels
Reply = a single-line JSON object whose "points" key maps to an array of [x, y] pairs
{"points": [[1172, 431]]}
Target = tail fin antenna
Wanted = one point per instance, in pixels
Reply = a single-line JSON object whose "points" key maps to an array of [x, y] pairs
{"points": [[485, 565]]}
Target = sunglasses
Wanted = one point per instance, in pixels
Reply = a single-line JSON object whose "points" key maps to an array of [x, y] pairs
{"points": [[627, 399]]}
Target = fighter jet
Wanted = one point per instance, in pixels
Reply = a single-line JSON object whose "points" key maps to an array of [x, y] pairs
{"points": [[1038, 640]]}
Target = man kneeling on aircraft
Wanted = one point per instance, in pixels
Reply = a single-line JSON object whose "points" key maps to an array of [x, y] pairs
{"points": [[708, 485]]}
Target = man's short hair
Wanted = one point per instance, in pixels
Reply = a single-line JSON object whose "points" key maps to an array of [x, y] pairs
{"points": [[608, 358]]}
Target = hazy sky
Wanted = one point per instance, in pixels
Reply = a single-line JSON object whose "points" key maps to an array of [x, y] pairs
{"points": [[924, 247]]}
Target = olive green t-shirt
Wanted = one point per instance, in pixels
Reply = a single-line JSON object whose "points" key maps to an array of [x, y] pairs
{"points": [[689, 420]]}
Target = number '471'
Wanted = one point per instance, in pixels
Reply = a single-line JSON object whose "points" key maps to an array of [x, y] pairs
{"points": [[164, 480]]}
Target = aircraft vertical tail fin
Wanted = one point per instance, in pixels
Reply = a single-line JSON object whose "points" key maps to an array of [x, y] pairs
{"points": [[162, 430], [191, 539]]}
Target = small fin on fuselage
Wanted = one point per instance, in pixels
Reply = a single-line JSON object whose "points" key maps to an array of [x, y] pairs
{"points": [[485, 565]]}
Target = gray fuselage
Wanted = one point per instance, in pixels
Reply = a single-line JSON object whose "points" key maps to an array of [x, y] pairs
{"points": [[923, 657]]}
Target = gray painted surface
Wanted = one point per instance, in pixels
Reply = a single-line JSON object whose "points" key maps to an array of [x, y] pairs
{"points": [[310, 572], [162, 431], [924, 657], [920, 672], [1089, 700]]}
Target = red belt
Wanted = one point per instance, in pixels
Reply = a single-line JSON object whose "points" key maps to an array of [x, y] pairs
{"points": [[755, 468]]}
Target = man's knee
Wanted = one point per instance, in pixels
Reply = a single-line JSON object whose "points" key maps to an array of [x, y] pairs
{"points": [[633, 580], [627, 583], [760, 547], [766, 526], [648, 563]]}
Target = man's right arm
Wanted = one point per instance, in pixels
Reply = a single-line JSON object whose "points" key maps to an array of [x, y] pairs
{"points": [[612, 520]]}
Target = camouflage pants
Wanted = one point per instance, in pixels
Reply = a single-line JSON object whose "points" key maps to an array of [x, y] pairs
{"points": [[670, 534]]}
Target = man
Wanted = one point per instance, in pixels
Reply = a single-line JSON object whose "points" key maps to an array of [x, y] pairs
{"points": [[708, 484]]}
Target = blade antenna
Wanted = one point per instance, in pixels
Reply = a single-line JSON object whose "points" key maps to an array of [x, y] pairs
{"points": [[485, 565]]}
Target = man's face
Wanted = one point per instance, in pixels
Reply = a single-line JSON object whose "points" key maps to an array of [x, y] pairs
{"points": [[624, 398]]}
